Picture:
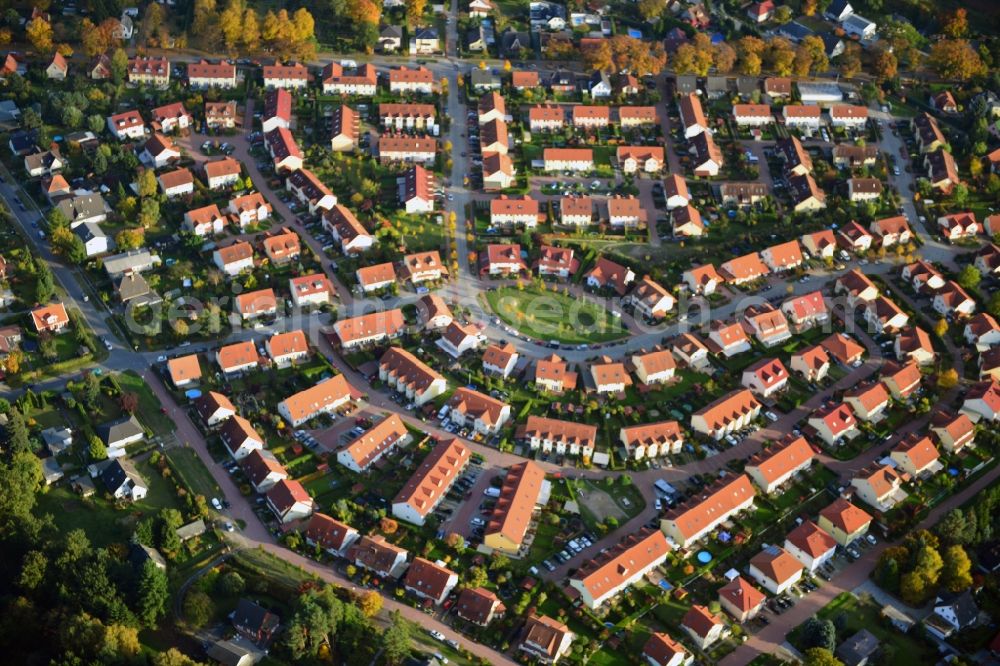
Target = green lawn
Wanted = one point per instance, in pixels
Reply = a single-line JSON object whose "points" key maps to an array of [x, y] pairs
{"points": [[547, 315], [192, 472], [100, 519], [149, 405], [863, 613]]}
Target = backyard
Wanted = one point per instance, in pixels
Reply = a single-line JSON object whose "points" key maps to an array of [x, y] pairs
{"points": [[550, 315], [857, 613]]}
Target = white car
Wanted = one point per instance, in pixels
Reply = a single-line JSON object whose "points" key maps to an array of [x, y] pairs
{"points": [[437, 635], [478, 522], [217, 504]]}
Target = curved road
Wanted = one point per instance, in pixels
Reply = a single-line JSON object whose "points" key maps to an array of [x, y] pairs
{"points": [[465, 291]]}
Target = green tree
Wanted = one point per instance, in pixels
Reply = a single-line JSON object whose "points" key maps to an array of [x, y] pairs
{"points": [[969, 277], [396, 641], [98, 451], [91, 390], [33, 570], [119, 66], [18, 437], [232, 584], [149, 212], [154, 593], [951, 529], [20, 479], [198, 608], [818, 633], [993, 305], [45, 283]]}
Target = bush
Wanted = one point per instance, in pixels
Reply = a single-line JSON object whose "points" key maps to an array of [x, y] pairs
{"points": [[232, 584], [198, 608]]}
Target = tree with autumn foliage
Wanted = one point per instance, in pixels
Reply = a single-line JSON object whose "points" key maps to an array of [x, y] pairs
{"points": [[750, 55], [415, 11], [955, 24], [779, 56], [39, 33], [884, 63], [849, 61], [809, 7], [955, 59], [622, 52], [694, 57], [724, 57]]}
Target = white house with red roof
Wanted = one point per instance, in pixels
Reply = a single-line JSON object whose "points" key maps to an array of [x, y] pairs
{"points": [[703, 627], [811, 545], [429, 580], [834, 422], [917, 456], [662, 650], [289, 501], [765, 377], [775, 569], [329, 534], [813, 363], [880, 487], [772, 468]]}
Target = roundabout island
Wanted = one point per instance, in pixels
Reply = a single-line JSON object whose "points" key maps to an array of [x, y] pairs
{"points": [[555, 315]]}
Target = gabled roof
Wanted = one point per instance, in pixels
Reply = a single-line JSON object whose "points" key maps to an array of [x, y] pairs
{"points": [[428, 578], [211, 402], [728, 408], [837, 417], [237, 354], [476, 604], [476, 404], [700, 620], [869, 396], [842, 347], [520, 492], [776, 462], [310, 400], [845, 516], [407, 370], [703, 509], [260, 464], [286, 493], [283, 344], [811, 539], [776, 563], [371, 444], [609, 570], [434, 477], [920, 450], [237, 430]]}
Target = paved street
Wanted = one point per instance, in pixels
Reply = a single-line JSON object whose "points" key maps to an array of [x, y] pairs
{"points": [[465, 290]]}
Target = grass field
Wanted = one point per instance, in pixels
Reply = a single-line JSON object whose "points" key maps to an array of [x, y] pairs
{"points": [[192, 472], [103, 523], [547, 315], [149, 406]]}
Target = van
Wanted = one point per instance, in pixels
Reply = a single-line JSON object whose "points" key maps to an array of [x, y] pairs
{"points": [[443, 412]]}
